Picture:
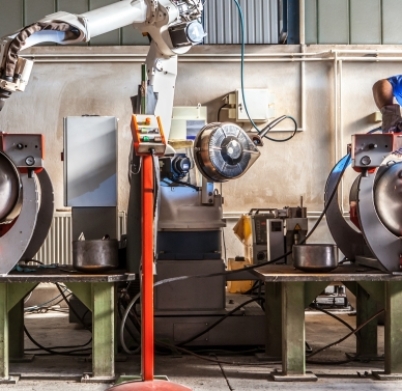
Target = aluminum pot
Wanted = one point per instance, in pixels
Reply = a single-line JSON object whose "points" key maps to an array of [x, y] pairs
{"points": [[95, 255], [315, 257]]}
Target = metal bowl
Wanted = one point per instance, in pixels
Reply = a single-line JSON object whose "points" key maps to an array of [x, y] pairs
{"points": [[95, 255], [315, 257]]}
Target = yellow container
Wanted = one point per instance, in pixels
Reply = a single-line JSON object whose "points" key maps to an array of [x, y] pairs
{"points": [[239, 286]]}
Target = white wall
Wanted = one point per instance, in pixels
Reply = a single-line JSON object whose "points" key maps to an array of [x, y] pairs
{"points": [[101, 80]]}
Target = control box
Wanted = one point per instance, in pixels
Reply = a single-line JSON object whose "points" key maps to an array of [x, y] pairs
{"points": [[148, 135], [369, 150], [25, 150], [268, 238]]}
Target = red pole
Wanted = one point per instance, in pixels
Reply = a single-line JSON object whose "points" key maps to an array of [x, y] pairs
{"points": [[147, 269]]}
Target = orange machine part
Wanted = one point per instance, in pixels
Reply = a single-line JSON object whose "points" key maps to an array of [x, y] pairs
{"points": [[147, 269]]}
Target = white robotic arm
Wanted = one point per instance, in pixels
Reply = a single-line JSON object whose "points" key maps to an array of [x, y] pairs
{"points": [[172, 25]]}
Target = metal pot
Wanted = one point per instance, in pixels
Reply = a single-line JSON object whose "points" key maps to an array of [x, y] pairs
{"points": [[315, 257], [95, 255]]}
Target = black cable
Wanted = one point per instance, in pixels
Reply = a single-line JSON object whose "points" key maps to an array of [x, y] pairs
{"points": [[134, 337], [285, 139], [354, 331], [185, 184], [375, 130], [230, 272], [188, 340], [72, 308], [218, 117], [334, 316], [72, 353], [47, 307]]}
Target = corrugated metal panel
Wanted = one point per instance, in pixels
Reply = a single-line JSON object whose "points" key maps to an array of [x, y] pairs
{"points": [[57, 247], [11, 16], [38, 9], [365, 21], [311, 21], [73, 6], [15, 14], [353, 21], [391, 21], [222, 24], [333, 21]]}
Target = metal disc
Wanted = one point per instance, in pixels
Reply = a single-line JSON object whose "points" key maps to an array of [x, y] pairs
{"points": [[388, 197], [10, 190], [224, 151]]}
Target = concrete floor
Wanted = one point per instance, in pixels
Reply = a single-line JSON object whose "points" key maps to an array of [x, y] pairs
{"points": [[63, 373]]}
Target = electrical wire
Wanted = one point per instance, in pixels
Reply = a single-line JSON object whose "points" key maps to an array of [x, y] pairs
{"points": [[231, 312], [123, 325], [51, 351], [39, 306], [230, 272], [335, 317], [186, 184], [76, 352], [72, 308], [242, 61], [218, 117], [354, 331]]}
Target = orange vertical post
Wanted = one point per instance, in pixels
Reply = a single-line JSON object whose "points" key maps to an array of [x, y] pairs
{"points": [[147, 269]]}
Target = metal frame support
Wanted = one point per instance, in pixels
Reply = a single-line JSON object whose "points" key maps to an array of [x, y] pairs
{"points": [[366, 344], [293, 348], [16, 332], [293, 334], [273, 315], [99, 297], [103, 333], [11, 296], [4, 341], [393, 321]]}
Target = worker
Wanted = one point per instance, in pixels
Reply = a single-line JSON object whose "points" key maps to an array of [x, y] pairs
{"points": [[385, 92]]}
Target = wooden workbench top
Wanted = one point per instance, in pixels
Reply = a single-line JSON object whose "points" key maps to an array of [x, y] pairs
{"points": [[279, 273]]}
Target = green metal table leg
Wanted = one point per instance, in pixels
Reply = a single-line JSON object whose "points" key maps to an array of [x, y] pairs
{"points": [[366, 345], [103, 331], [4, 367], [393, 332], [16, 334], [273, 316], [293, 347], [11, 296], [293, 334]]}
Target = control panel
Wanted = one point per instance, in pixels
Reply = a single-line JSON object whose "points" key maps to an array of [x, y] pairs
{"points": [[268, 237], [148, 135], [369, 150], [25, 150]]}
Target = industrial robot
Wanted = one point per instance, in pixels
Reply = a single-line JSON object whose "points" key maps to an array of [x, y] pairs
{"points": [[190, 217]]}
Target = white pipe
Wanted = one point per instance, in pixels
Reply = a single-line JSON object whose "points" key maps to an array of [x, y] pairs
{"points": [[79, 58], [236, 56], [302, 22], [336, 107], [341, 154]]}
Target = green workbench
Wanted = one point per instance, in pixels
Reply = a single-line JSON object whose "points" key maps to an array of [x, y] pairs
{"points": [[289, 291], [97, 293]]}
